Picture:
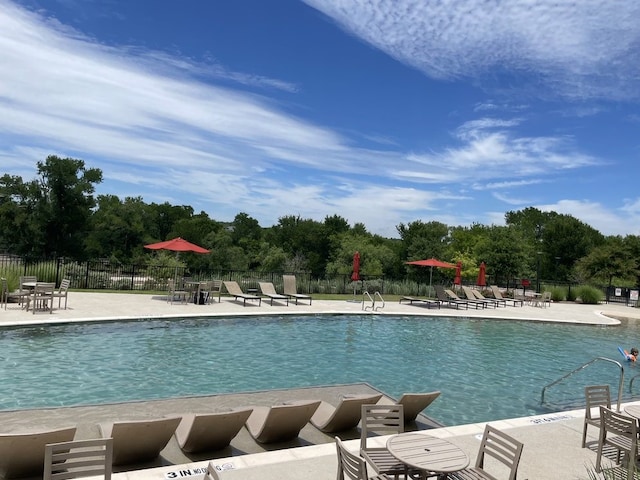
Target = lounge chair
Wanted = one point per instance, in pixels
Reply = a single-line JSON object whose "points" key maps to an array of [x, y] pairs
{"points": [[290, 289], [498, 295], [476, 295], [79, 459], [139, 441], [345, 416], [269, 291], [422, 301], [446, 301], [414, 403], [234, 290], [207, 432], [22, 454], [280, 423], [502, 448], [472, 302]]}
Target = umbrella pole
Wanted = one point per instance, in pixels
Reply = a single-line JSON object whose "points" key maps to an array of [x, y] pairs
{"points": [[430, 280]]}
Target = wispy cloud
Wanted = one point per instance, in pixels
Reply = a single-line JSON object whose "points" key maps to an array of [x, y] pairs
{"points": [[580, 49], [164, 127]]}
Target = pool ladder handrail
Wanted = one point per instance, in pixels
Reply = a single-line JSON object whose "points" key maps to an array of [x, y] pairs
{"points": [[631, 382], [366, 295], [620, 385]]}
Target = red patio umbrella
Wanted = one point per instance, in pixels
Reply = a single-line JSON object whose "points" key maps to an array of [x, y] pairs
{"points": [[355, 276], [482, 281], [177, 245], [431, 262], [458, 278]]}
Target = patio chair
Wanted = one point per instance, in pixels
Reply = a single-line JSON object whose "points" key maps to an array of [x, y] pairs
{"points": [[138, 441], [22, 454], [207, 432], [623, 438], [62, 292], [344, 416], [505, 452], [290, 289], [236, 292], [280, 423], [596, 396], [414, 403], [479, 296], [352, 466], [82, 458], [41, 297], [498, 294], [176, 292], [4, 292], [388, 420], [268, 290]]}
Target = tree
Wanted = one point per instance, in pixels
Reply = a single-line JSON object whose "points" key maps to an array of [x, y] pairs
{"points": [[65, 204], [505, 254], [604, 263]]}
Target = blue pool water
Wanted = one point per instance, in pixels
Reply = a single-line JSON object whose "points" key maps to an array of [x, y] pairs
{"points": [[486, 369]]}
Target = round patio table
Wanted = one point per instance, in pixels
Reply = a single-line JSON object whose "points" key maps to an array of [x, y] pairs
{"points": [[427, 453]]}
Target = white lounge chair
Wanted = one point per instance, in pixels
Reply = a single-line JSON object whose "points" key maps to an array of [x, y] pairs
{"points": [[269, 291], [344, 416], [22, 454], [234, 290], [139, 441], [207, 432], [280, 423]]}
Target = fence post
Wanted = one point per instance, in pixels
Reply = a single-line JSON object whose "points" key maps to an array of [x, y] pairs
{"points": [[86, 277]]}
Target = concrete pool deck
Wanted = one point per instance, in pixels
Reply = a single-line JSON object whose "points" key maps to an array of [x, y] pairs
{"points": [[552, 441]]}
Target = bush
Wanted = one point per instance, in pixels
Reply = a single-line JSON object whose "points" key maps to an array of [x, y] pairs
{"points": [[572, 294], [589, 295], [558, 294]]}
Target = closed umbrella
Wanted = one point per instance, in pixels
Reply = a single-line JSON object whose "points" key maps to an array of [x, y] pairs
{"points": [[355, 275], [482, 281], [458, 278], [431, 262]]}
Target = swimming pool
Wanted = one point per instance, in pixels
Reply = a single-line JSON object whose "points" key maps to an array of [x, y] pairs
{"points": [[486, 369]]}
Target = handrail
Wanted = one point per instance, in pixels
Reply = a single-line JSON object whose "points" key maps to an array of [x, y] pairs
{"points": [[631, 382], [377, 294], [584, 366], [373, 302]]}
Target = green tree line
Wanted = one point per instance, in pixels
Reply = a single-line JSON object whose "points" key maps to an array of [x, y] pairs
{"points": [[59, 214]]}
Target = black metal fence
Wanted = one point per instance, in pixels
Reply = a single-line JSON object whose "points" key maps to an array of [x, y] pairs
{"points": [[106, 275]]}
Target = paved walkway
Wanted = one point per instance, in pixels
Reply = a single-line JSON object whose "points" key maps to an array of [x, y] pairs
{"points": [[552, 441]]}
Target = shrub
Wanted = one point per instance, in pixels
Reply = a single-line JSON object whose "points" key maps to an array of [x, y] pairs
{"points": [[558, 294], [590, 295], [572, 294]]}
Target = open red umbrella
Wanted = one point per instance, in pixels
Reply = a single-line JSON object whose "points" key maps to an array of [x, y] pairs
{"points": [[177, 245], [458, 278], [431, 262], [482, 281], [355, 276]]}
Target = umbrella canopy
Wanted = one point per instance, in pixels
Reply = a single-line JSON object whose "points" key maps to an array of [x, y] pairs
{"points": [[177, 245], [482, 281], [458, 278], [431, 262], [355, 276]]}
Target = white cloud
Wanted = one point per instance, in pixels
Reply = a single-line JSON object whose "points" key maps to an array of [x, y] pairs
{"points": [[578, 49], [598, 216]]}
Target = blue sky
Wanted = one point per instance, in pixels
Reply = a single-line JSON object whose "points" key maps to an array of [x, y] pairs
{"points": [[381, 111]]}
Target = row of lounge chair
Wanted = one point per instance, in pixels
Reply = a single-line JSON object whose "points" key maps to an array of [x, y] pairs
{"points": [[139, 441], [474, 299]]}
